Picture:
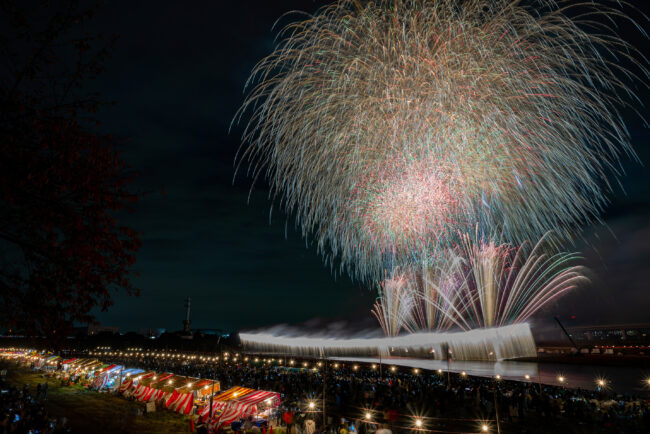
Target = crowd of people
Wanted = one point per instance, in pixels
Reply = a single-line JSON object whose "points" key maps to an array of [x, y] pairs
{"points": [[361, 399], [23, 411]]}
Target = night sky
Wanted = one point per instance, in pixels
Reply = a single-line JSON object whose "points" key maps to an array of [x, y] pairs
{"points": [[176, 77]]}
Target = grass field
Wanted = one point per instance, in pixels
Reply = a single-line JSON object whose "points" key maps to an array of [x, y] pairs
{"points": [[92, 412]]}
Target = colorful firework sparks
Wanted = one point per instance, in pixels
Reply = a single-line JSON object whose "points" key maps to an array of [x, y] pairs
{"points": [[394, 310], [389, 126], [413, 201], [479, 284]]}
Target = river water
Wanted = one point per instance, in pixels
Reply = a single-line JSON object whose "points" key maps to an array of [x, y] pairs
{"points": [[618, 379]]}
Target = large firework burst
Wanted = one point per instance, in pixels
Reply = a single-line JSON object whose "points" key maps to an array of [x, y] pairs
{"points": [[389, 126]]}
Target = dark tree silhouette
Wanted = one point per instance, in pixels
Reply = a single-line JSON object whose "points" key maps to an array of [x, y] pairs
{"points": [[63, 184]]}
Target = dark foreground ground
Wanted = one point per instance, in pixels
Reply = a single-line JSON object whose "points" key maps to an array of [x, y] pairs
{"points": [[92, 412]]}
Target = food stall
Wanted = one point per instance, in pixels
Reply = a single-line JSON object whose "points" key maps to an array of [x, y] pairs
{"points": [[256, 404]]}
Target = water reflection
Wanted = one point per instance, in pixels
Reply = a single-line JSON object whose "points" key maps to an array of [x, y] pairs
{"points": [[618, 379]]}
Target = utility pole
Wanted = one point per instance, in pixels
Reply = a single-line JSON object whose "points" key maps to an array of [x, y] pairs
{"points": [[448, 363], [120, 386], [211, 400], [324, 392], [186, 323], [381, 375], [496, 407]]}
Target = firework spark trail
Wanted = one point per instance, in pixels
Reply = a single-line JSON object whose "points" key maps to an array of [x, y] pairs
{"points": [[493, 285], [394, 310], [506, 113]]}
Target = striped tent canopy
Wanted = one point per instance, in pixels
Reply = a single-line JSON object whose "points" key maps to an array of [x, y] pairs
{"points": [[133, 382], [131, 379], [39, 360], [45, 359], [174, 391], [88, 366], [227, 411], [143, 393], [128, 375], [90, 369], [144, 375], [156, 379], [233, 393], [73, 363], [178, 393], [132, 372], [180, 402], [217, 408], [170, 383], [231, 411], [99, 382], [102, 369], [92, 365], [126, 385], [227, 395], [258, 397], [199, 387], [218, 402], [103, 376], [150, 387]]}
